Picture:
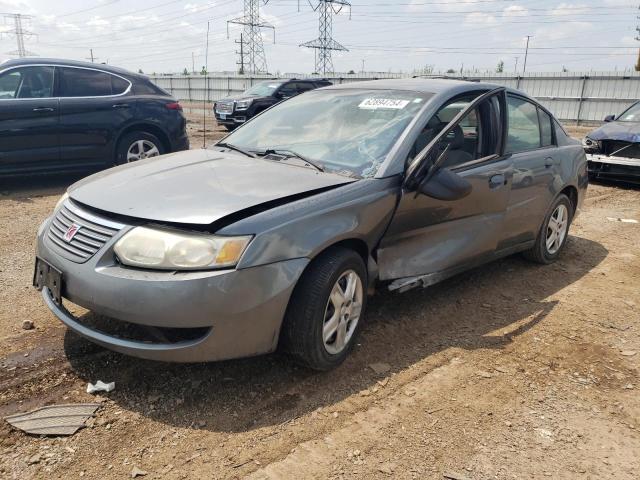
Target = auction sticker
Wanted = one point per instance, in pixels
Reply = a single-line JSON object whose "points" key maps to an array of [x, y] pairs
{"points": [[388, 103]]}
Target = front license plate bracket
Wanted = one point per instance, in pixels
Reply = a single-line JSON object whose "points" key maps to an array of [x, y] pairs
{"points": [[46, 275]]}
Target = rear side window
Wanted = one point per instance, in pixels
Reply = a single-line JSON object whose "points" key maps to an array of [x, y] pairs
{"points": [[546, 128], [27, 82], [118, 85], [80, 82], [524, 126]]}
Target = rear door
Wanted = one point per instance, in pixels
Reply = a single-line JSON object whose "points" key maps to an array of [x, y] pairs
{"points": [[431, 237], [532, 144], [29, 121], [94, 107]]}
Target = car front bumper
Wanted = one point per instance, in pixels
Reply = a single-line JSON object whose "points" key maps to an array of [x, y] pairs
{"points": [[621, 169], [237, 312]]}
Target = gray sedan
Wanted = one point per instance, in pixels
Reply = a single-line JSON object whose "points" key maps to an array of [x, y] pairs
{"points": [[274, 237]]}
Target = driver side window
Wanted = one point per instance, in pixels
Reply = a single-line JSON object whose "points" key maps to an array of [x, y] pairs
{"points": [[468, 140]]}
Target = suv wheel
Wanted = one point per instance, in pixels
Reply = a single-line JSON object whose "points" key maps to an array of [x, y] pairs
{"points": [[554, 232], [138, 146], [326, 310]]}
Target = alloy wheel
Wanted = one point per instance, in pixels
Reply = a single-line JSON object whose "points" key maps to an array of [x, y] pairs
{"points": [[557, 229], [141, 149], [342, 312]]}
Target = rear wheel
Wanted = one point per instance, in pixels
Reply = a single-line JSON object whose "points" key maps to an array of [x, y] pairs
{"points": [[138, 145], [554, 232], [326, 309]]}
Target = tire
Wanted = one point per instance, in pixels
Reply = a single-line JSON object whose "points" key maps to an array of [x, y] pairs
{"points": [[230, 128], [312, 309], [129, 143], [541, 252]]}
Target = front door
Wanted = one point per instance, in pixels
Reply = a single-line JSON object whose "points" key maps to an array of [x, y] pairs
{"points": [[28, 119], [93, 110], [432, 237]]}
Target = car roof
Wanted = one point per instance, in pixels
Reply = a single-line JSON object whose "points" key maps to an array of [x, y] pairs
{"points": [[67, 63], [423, 85]]}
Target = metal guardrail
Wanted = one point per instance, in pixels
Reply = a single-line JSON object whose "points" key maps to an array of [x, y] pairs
{"points": [[574, 97]]}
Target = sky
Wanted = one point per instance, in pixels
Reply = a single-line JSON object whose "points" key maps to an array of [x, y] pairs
{"points": [[164, 36]]}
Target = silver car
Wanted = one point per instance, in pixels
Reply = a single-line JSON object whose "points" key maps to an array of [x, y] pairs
{"points": [[275, 236]]}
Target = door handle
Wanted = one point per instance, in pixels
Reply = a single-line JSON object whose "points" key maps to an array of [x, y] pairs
{"points": [[497, 181], [548, 162], [43, 109], [121, 105]]}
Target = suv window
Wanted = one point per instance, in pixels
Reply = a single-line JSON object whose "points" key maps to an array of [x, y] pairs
{"points": [[27, 82], [524, 126], [288, 90], [304, 86], [80, 82]]}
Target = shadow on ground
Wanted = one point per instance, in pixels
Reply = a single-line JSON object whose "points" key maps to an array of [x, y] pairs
{"points": [[25, 186], [470, 311]]}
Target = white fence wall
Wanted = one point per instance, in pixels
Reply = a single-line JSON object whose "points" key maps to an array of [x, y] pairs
{"points": [[580, 97]]}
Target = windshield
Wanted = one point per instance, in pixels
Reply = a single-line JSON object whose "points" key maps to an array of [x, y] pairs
{"points": [[262, 89], [632, 114], [341, 130]]}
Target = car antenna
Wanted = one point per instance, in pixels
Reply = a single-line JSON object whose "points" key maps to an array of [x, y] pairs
{"points": [[206, 90]]}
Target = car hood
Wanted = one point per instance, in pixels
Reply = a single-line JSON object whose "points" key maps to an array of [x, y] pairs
{"points": [[198, 186], [237, 99], [624, 131]]}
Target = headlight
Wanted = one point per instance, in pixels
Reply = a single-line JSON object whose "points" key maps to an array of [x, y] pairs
{"points": [[243, 104], [61, 201], [170, 250], [590, 144]]}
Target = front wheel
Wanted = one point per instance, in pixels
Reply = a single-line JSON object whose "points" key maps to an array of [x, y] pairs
{"points": [[554, 232], [326, 309], [136, 146]]}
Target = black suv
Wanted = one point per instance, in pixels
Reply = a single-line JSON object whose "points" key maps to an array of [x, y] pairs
{"points": [[232, 112], [62, 115]]}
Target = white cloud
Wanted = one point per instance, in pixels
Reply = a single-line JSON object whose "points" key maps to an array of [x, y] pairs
{"points": [[565, 9], [479, 18], [515, 11]]}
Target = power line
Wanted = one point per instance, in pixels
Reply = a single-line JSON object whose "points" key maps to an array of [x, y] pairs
{"points": [[325, 43]]}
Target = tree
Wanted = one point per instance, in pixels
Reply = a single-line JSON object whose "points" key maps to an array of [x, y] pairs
{"points": [[500, 67], [140, 71], [203, 71], [185, 72], [451, 70], [351, 72]]}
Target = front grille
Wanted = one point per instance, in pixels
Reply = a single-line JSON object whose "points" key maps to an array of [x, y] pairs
{"points": [[226, 107], [91, 235], [618, 148]]}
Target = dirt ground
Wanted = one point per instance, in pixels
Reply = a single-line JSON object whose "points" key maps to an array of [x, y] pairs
{"points": [[513, 370]]}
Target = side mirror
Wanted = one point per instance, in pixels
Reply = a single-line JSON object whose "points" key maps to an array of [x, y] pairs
{"points": [[446, 185], [609, 118]]}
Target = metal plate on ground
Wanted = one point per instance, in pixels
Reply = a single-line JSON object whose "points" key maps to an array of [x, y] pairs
{"points": [[54, 419]]}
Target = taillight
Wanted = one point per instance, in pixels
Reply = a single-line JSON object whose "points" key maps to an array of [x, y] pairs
{"points": [[173, 106]]}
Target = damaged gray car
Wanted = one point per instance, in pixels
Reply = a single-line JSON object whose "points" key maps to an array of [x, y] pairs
{"points": [[274, 237], [614, 148]]}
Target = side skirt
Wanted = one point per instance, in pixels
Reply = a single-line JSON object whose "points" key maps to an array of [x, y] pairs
{"points": [[407, 283]]}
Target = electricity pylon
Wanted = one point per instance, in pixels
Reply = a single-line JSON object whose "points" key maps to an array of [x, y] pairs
{"points": [[252, 57], [325, 43]]}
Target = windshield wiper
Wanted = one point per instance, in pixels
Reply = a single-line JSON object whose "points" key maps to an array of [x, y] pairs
{"points": [[290, 153], [231, 146]]}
